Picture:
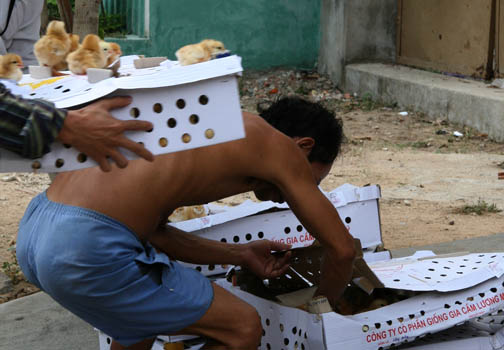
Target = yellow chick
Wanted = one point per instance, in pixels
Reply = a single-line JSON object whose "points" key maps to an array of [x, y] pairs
{"points": [[201, 52], [111, 50], [187, 213], [88, 55], [10, 67], [74, 45], [52, 49]]}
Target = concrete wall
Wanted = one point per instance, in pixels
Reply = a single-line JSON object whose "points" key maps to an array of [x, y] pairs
{"points": [[356, 31], [264, 33]]}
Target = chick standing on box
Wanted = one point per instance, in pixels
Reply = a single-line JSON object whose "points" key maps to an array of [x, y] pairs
{"points": [[104, 234]]}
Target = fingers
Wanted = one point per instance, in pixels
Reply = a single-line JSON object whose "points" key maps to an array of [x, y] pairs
{"points": [[118, 158], [137, 148], [136, 125], [114, 102], [102, 162], [278, 246]]}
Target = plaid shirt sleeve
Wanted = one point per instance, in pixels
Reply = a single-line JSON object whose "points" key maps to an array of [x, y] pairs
{"points": [[28, 127]]}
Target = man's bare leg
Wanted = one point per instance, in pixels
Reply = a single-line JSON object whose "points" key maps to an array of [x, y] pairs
{"points": [[229, 321]]}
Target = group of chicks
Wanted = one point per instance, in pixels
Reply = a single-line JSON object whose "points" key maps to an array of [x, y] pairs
{"points": [[60, 50]]}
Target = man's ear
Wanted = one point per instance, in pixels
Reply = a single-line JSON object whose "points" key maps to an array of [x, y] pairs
{"points": [[305, 143]]}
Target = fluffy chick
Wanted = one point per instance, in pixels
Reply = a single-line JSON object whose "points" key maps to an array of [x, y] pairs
{"points": [[88, 55], [74, 45], [111, 50], [52, 49], [200, 52], [10, 67]]}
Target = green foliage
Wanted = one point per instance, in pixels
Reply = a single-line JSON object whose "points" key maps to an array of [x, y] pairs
{"points": [[112, 25], [480, 208], [12, 269]]}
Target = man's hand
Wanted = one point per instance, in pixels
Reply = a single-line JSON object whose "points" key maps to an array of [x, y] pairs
{"points": [[336, 273], [96, 133], [257, 258]]}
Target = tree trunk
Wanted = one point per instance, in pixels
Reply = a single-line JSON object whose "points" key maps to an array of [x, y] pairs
{"points": [[44, 19], [86, 17], [65, 10]]}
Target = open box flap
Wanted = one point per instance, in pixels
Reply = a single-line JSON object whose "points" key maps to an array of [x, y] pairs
{"points": [[339, 197]]}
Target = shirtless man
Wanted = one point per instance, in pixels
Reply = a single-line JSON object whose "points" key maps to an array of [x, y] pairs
{"points": [[88, 241]]}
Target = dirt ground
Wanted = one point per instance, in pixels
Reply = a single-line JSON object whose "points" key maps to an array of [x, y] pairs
{"points": [[425, 172]]}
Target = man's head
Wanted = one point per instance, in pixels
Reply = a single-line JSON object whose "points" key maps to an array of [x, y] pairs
{"points": [[303, 120], [315, 130]]}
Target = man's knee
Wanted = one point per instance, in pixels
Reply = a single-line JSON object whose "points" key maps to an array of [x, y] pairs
{"points": [[248, 333]]}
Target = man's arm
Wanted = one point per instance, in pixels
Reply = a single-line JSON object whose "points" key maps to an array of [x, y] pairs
{"points": [[256, 256], [29, 127]]}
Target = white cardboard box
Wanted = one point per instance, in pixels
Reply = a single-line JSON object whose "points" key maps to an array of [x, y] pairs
{"points": [[357, 207], [477, 291], [190, 106]]}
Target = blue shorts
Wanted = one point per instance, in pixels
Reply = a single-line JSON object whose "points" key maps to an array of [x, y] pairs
{"points": [[98, 269]]}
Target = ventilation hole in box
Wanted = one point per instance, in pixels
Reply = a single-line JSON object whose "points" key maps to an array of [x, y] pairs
{"points": [[236, 239], [287, 230], [186, 138], [33, 94], [36, 165], [302, 346], [180, 103], [481, 255], [267, 322], [59, 163], [211, 267], [493, 256], [294, 330], [365, 328], [134, 112], [432, 270], [209, 133], [286, 341], [478, 262], [447, 306], [466, 259], [150, 130], [400, 319], [411, 316], [482, 295], [263, 332], [172, 122], [493, 290], [451, 262], [261, 235], [377, 325], [446, 268], [348, 219], [157, 108], [299, 228], [458, 302], [88, 89], [309, 260], [223, 240], [108, 340], [281, 327], [203, 100], [470, 298], [268, 346], [442, 275], [296, 345], [66, 90], [474, 268], [300, 331], [422, 312], [58, 87], [462, 266], [305, 336], [81, 157], [193, 119], [163, 142], [248, 236], [198, 268], [397, 280], [296, 260], [389, 322], [427, 277], [435, 262], [67, 145]]}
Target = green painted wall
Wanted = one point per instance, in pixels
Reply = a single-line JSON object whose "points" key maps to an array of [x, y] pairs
{"points": [[264, 33]]}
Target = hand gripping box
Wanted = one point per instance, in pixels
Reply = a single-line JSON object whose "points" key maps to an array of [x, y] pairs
{"points": [[190, 106], [452, 290], [357, 207]]}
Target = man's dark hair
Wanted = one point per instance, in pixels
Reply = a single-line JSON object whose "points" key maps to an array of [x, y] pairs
{"points": [[297, 117]]}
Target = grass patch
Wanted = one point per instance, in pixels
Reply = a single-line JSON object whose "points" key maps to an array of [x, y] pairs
{"points": [[479, 208]]}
